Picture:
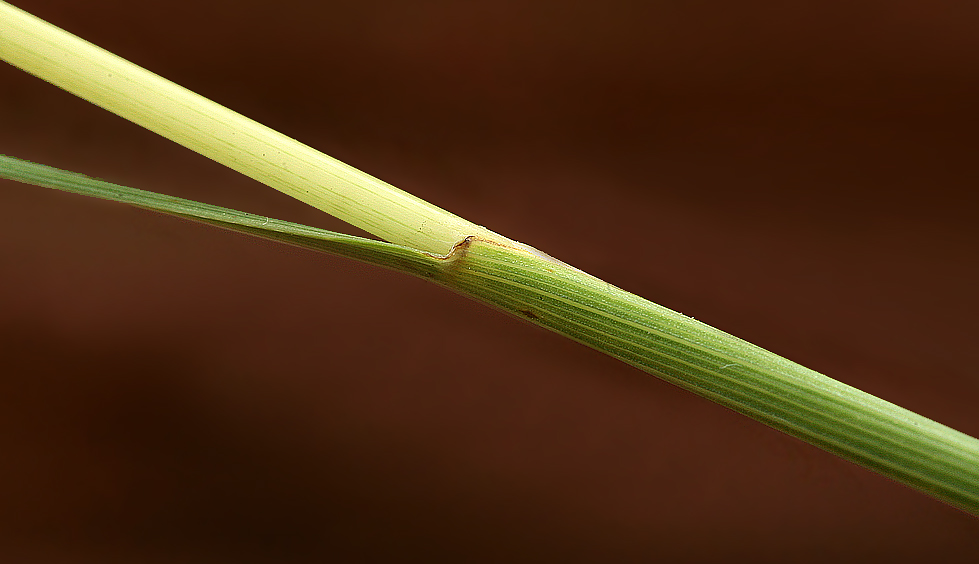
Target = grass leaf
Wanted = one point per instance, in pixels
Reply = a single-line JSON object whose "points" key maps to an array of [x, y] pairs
{"points": [[841, 419]]}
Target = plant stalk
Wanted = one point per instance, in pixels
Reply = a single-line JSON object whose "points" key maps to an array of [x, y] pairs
{"points": [[257, 151], [855, 425], [434, 244]]}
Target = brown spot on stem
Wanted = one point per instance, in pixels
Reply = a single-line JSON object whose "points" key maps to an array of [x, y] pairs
{"points": [[458, 250]]}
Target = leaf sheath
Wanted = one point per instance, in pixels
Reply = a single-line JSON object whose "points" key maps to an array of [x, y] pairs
{"points": [[855, 425]]}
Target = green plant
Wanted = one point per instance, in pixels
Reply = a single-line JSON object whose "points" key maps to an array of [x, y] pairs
{"points": [[855, 425]]}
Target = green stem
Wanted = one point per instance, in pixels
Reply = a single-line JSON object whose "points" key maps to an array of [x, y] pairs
{"points": [[841, 419], [865, 429], [437, 245]]}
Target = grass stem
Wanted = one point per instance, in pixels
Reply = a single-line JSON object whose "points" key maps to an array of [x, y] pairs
{"points": [[149, 100], [434, 244]]}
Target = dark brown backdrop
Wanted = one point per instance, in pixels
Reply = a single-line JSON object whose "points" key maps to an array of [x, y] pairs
{"points": [[800, 174]]}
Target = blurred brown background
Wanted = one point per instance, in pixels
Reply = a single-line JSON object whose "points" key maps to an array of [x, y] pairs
{"points": [[799, 174]]}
